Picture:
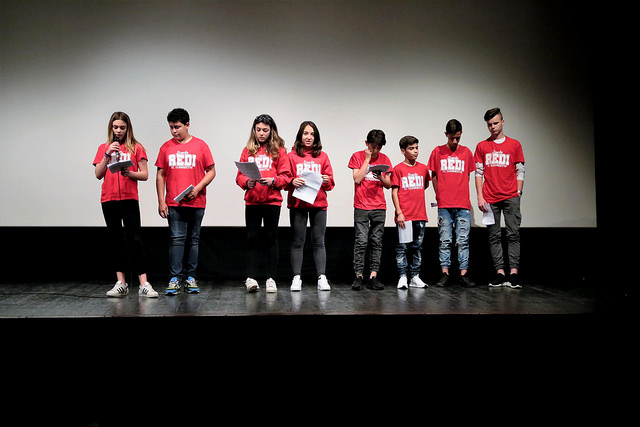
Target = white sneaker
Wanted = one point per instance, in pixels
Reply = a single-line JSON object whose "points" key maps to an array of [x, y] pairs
{"points": [[147, 291], [119, 290], [251, 284], [323, 283], [402, 283], [416, 282], [296, 284], [271, 285]]}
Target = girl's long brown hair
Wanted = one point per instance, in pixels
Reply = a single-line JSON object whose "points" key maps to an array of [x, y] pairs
{"points": [[273, 144], [130, 142]]}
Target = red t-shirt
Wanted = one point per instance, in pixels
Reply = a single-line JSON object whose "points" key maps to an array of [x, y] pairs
{"points": [[321, 165], [269, 168], [452, 168], [184, 165], [411, 182], [499, 162], [369, 194], [128, 188]]}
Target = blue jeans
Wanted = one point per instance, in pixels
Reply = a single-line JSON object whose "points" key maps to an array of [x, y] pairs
{"points": [[414, 249], [184, 233], [447, 219]]}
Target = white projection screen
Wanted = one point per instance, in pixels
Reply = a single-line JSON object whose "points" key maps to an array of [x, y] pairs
{"points": [[405, 67]]}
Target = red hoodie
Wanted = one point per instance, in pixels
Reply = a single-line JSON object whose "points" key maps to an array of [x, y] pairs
{"points": [[321, 165], [278, 168]]}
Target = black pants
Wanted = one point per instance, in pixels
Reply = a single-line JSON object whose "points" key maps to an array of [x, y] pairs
{"points": [[124, 243], [262, 246]]}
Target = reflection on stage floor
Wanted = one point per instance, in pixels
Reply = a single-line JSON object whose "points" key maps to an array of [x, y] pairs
{"points": [[230, 299]]}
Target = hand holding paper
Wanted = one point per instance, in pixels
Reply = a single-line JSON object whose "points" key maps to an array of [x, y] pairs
{"points": [[249, 169], [309, 191], [181, 196], [487, 217]]}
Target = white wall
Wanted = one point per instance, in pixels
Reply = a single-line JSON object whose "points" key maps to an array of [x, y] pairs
{"points": [[402, 66]]}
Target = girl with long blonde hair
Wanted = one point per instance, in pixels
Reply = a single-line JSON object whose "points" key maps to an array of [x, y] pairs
{"points": [[120, 203]]}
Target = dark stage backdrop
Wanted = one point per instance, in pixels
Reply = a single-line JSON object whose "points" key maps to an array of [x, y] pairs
{"points": [[553, 256]]}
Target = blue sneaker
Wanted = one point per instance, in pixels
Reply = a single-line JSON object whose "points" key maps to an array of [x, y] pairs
{"points": [[174, 287], [191, 287]]}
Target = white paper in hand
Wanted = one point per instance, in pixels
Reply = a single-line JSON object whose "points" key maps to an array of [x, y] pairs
{"points": [[180, 196], [249, 169], [309, 191], [405, 235], [487, 217], [118, 166]]}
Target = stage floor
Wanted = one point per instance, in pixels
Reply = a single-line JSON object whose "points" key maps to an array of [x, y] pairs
{"points": [[88, 300]]}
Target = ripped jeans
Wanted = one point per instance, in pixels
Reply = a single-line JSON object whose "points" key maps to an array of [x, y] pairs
{"points": [[447, 219], [411, 250]]}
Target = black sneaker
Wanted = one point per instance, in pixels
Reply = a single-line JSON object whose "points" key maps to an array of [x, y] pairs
{"points": [[444, 281], [499, 281], [466, 281], [375, 284], [357, 283], [514, 281]]}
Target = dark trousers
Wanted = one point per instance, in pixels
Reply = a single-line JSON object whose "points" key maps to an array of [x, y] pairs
{"points": [[318, 221], [255, 215], [510, 208], [124, 241]]}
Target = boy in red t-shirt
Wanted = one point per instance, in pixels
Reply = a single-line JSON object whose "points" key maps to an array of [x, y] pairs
{"points": [[409, 181], [451, 165], [499, 182], [369, 207], [183, 161]]}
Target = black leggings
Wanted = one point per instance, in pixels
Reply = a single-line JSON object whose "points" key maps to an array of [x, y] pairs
{"points": [[124, 244], [254, 215], [318, 220]]}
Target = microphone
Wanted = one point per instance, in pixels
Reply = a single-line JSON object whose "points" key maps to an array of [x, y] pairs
{"points": [[116, 154]]}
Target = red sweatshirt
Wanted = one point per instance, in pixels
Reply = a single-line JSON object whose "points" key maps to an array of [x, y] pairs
{"points": [[321, 165], [278, 168]]}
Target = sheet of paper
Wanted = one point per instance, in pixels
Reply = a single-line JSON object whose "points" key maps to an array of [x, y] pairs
{"points": [[249, 169], [487, 217], [378, 168], [180, 196], [309, 191], [118, 166], [405, 235]]}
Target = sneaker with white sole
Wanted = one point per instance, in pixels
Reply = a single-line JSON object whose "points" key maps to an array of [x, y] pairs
{"points": [[147, 291], [323, 283], [416, 282], [251, 284], [296, 284], [271, 285], [173, 288], [402, 283], [119, 290], [191, 286]]}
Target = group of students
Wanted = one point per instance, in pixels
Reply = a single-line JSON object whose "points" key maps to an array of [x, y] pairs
{"points": [[185, 167]]}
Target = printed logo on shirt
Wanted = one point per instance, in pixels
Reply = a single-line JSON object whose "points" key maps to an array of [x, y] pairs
{"points": [[124, 156], [412, 181], [452, 164], [309, 166], [264, 162], [497, 159], [182, 160]]}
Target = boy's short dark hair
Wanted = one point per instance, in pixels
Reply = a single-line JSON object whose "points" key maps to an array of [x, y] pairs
{"points": [[406, 141], [491, 113], [376, 136], [178, 115], [453, 126]]}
